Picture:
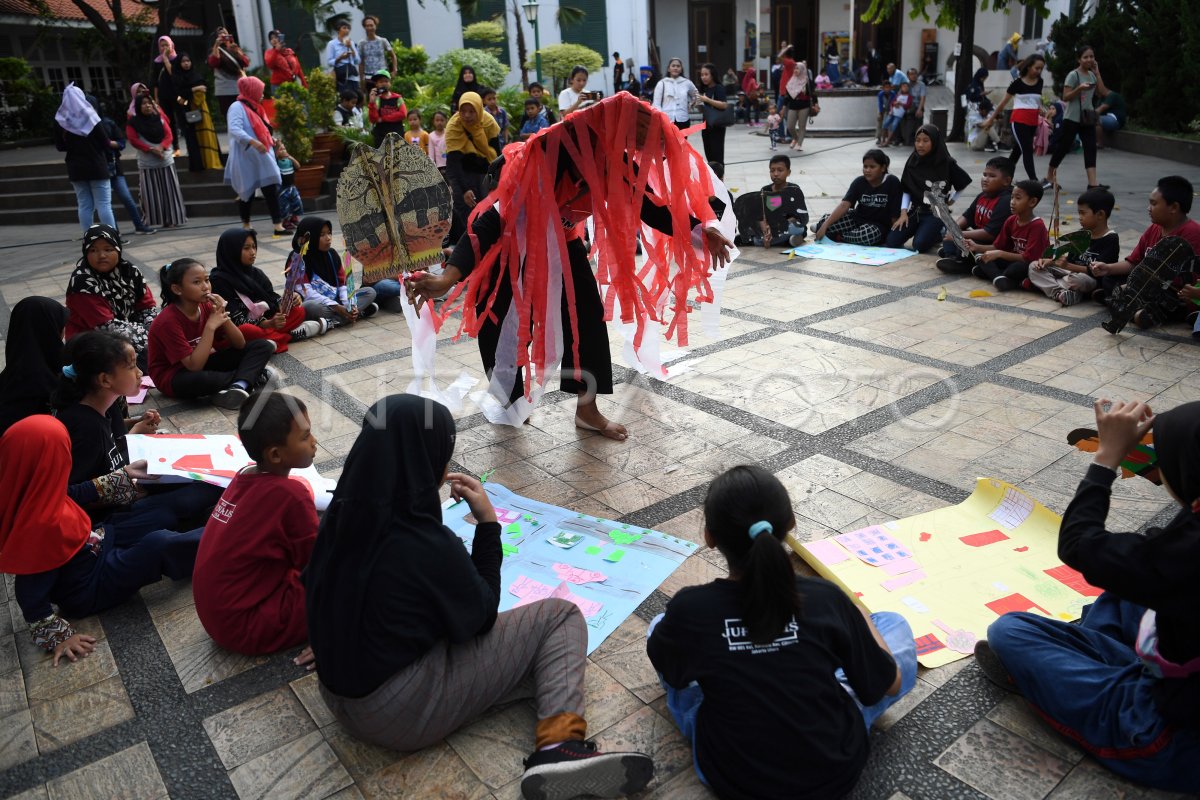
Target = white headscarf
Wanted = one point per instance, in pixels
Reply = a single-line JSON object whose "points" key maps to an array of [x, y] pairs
{"points": [[76, 113]]}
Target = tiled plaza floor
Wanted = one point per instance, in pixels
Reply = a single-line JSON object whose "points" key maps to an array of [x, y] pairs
{"points": [[869, 397]]}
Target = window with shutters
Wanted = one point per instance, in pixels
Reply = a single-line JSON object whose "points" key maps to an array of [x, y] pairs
{"points": [[593, 31]]}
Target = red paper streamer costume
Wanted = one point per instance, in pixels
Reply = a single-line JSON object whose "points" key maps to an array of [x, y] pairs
{"points": [[542, 208]]}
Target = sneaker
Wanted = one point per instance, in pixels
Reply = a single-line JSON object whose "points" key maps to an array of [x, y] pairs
{"points": [[369, 310], [124, 239], [1002, 283], [307, 330], [576, 768], [955, 265], [992, 668], [796, 239], [991, 148], [977, 271], [268, 377], [1069, 297], [1027, 285], [146, 231], [231, 398]]}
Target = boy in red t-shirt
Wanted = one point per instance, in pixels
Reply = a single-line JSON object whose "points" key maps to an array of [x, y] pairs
{"points": [[1021, 241], [259, 538], [385, 108]]}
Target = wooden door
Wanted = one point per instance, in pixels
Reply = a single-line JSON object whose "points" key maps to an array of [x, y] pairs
{"points": [[711, 37]]}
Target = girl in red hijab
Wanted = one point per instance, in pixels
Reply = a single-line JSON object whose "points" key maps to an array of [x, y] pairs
{"points": [[47, 539]]}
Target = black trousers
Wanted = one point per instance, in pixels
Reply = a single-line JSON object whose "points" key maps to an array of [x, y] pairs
{"points": [[595, 360], [271, 195], [1015, 271], [222, 369], [1023, 149], [1066, 139], [714, 143]]}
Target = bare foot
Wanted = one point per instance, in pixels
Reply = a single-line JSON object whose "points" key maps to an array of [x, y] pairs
{"points": [[589, 418]]}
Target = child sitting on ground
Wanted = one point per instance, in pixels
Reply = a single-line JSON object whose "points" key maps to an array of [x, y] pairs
{"points": [[385, 108], [291, 207], [346, 113], [983, 219], [1022, 240], [899, 108], [323, 284], [1069, 280], [492, 104], [533, 121], [415, 135], [1170, 203], [1123, 684], [774, 125], [785, 215], [195, 349], [722, 650], [258, 540], [883, 105], [869, 208]]}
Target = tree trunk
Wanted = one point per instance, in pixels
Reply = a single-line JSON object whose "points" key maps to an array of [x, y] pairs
{"points": [[522, 53], [963, 68]]}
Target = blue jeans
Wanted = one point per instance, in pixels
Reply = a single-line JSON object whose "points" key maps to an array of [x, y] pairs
{"points": [[120, 188], [1109, 122], [925, 230], [793, 229], [387, 293], [94, 197], [685, 703], [1088, 683]]}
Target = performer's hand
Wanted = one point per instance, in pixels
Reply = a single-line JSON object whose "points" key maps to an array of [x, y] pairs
{"points": [[719, 246], [469, 488], [469, 198], [428, 288], [77, 647], [1121, 425]]}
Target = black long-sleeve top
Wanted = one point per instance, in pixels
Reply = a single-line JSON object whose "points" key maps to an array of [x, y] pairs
{"points": [[86, 155], [465, 171], [1159, 570]]}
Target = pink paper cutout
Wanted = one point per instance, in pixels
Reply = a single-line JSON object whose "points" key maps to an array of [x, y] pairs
{"points": [[900, 567], [904, 580], [566, 572], [529, 590], [504, 516], [827, 551], [589, 607], [960, 641]]}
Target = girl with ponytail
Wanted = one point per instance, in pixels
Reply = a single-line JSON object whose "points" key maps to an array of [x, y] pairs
{"points": [[770, 674]]}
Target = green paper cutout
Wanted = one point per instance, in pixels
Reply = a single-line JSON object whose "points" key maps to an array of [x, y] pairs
{"points": [[593, 551], [624, 537], [513, 527], [615, 556], [510, 549]]}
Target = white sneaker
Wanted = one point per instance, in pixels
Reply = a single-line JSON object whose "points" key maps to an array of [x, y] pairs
{"points": [[307, 330]]}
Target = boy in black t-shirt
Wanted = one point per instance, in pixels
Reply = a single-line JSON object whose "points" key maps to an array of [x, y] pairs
{"points": [[983, 219], [785, 214], [870, 206], [1069, 279]]}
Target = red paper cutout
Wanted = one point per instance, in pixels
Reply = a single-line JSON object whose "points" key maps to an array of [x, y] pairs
{"points": [[983, 539], [929, 643], [228, 449], [162, 460], [1021, 549], [1073, 580], [925, 537], [194, 463], [1014, 602]]}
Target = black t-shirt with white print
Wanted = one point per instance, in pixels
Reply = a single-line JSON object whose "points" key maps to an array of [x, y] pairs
{"points": [[878, 204], [775, 722], [1104, 250]]}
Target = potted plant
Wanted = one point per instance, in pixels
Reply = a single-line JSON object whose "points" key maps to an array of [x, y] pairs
{"points": [[322, 97], [292, 103]]}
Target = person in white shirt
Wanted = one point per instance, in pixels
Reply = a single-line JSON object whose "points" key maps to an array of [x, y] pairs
{"points": [[574, 97], [674, 94], [341, 56]]}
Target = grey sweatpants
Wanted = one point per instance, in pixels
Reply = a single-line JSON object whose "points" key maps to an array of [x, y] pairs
{"points": [[537, 650]]}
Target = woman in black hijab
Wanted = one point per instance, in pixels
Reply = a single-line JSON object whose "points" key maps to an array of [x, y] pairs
{"points": [[1124, 684], [250, 299], [467, 82], [403, 620], [32, 359], [928, 166]]}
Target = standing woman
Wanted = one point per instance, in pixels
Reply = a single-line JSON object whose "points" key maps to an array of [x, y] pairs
{"points": [[1079, 94], [472, 143], [714, 99], [228, 63], [78, 133], [1025, 94], [149, 131], [164, 87], [251, 164], [466, 83], [800, 96], [674, 95], [191, 90], [282, 62]]}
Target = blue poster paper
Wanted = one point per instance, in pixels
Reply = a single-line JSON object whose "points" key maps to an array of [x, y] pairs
{"points": [[852, 253]]}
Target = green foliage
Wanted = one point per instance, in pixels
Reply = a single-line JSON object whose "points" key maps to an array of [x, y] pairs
{"points": [[443, 70], [559, 59], [322, 93], [486, 31], [32, 105], [570, 15], [1128, 37], [411, 62], [512, 100], [291, 120], [428, 100], [945, 13]]}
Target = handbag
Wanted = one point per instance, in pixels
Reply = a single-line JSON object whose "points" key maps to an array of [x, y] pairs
{"points": [[720, 118], [193, 116]]}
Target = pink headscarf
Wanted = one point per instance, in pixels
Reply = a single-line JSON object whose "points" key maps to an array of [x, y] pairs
{"points": [[250, 88], [135, 93], [171, 53]]}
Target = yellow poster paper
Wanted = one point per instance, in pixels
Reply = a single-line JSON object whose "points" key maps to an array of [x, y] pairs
{"points": [[952, 571]]}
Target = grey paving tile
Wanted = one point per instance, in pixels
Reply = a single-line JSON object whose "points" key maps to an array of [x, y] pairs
{"points": [[1001, 764], [130, 773]]}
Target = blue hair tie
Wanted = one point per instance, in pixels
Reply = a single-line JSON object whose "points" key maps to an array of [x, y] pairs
{"points": [[762, 526], [69, 371]]}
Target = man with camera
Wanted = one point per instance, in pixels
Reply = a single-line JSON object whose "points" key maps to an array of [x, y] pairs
{"points": [[228, 63]]}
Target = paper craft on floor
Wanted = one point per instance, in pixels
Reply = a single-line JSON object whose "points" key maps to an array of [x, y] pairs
{"points": [[904, 580], [571, 574], [827, 551]]}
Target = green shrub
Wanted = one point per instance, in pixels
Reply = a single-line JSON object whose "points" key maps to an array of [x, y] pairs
{"points": [[559, 59], [31, 105], [291, 120], [322, 97], [443, 70], [411, 62]]}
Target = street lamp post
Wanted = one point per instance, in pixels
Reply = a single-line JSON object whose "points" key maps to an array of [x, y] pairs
{"points": [[531, 14]]}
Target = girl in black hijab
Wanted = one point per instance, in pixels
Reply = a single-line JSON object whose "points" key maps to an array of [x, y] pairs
{"points": [[250, 299], [403, 620], [324, 286], [467, 82], [1124, 684], [928, 166], [32, 359]]}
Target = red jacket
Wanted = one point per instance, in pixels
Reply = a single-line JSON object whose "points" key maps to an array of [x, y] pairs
{"points": [[214, 61], [284, 66], [378, 112]]}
